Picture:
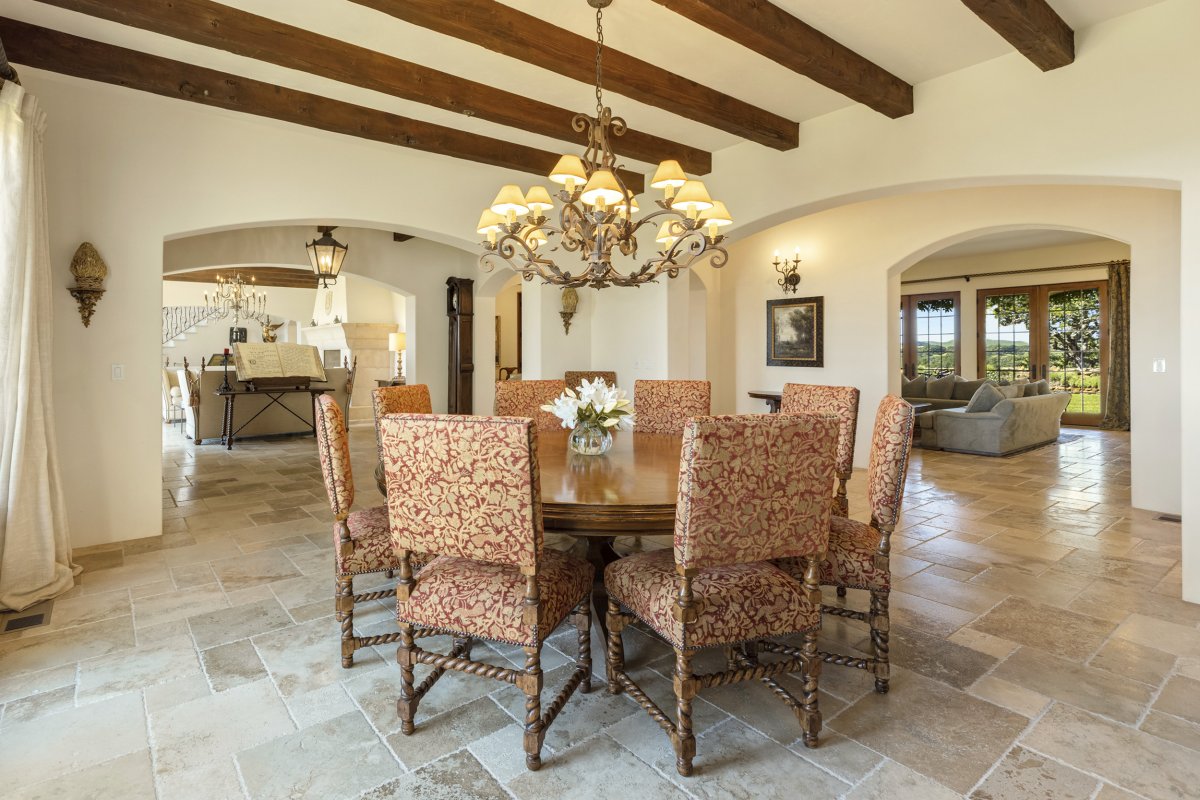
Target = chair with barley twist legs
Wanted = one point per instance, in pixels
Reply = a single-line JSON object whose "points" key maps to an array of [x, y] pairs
{"points": [[526, 398], [667, 406], [411, 398]]}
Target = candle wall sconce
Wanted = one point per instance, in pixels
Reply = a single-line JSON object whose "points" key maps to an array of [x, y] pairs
{"points": [[789, 279], [570, 301], [90, 271]]}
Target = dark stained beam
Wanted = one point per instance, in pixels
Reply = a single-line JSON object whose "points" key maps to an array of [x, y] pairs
{"points": [[219, 26], [513, 33], [402, 237], [1031, 26], [46, 49], [770, 31], [283, 277]]}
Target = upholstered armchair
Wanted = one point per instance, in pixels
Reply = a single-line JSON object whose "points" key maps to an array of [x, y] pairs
{"points": [[467, 489], [410, 399], [361, 540], [666, 406], [751, 489], [576, 377], [526, 398]]}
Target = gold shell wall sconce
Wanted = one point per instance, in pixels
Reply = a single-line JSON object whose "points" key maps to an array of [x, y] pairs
{"points": [[570, 301], [90, 271]]}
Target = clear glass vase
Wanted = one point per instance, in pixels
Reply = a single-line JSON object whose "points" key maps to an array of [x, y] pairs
{"points": [[590, 438]]}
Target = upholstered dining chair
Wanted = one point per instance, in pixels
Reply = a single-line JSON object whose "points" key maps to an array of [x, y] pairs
{"points": [[408, 399], [842, 403], [751, 489], [576, 377], [467, 489], [526, 398], [859, 553], [666, 406], [362, 543]]}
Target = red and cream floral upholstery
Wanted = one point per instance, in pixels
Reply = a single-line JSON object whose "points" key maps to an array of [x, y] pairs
{"points": [[372, 550], [666, 406], [526, 398], [751, 488], [851, 560], [333, 448], [891, 443], [574, 378], [840, 401], [410, 399]]}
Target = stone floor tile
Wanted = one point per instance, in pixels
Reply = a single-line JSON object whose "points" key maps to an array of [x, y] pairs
{"points": [[1023, 775], [932, 728], [162, 696], [161, 632], [1046, 627], [83, 610], [247, 571], [451, 731], [502, 752], [36, 653], [844, 757], [213, 780], [1016, 698], [303, 658], [928, 615], [181, 604], [124, 577], [239, 622], [189, 575], [232, 664], [459, 775], [39, 705], [1169, 727], [319, 705], [1110, 792], [376, 692], [18, 686], [132, 670], [935, 657], [1068, 681], [1170, 637], [967, 596], [1114, 596], [71, 740], [339, 758], [1134, 661], [583, 715], [1181, 697], [994, 646], [1132, 759], [128, 777], [895, 781], [200, 553], [588, 770], [1052, 587]]}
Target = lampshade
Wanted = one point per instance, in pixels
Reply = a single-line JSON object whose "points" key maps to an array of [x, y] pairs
{"points": [[716, 215], [538, 199], [602, 187], [692, 196], [633, 207], [326, 255], [669, 173], [568, 168], [489, 222], [665, 237], [510, 200], [533, 236], [396, 341]]}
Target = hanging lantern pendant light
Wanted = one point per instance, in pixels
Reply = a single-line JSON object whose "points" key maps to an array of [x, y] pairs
{"points": [[326, 255]]}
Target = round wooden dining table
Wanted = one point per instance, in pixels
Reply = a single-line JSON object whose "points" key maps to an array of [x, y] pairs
{"points": [[630, 490]]}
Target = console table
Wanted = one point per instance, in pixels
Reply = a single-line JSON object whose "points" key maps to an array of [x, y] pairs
{"points": [[772, 399], [273, 395]]}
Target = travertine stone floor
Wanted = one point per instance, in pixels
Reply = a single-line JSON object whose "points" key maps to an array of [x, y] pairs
{"points": [[1041, 647]]}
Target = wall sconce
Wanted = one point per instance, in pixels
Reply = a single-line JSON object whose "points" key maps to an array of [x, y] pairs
{"points": [[90, 271], [570, 301], [789, 277]]}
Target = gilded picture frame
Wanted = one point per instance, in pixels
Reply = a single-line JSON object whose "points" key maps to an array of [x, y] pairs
{"points": [[796, 332]]}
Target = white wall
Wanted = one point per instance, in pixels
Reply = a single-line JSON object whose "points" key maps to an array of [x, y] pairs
{"points": [[506, 310]]}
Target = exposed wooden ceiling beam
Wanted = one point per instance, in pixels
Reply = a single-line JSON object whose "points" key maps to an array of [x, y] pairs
{"points": [[1031, 26], [219, 26], [282, 277], [513, 33], [46, 49], [770, 31]]}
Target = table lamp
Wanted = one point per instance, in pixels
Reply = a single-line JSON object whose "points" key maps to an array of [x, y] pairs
{"points": [[396, 342]]}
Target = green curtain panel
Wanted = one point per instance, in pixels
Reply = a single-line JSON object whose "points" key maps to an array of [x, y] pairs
{"points": [[1116, 406]]}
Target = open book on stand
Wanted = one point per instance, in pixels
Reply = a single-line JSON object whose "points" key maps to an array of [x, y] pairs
{"points": [[275, 365]]}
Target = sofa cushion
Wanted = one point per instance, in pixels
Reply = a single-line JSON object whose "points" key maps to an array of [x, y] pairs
{"points": [[1043, 386], [940, 388], [965, 390], [1030, 390], [913, 388], [1011, 391], [984, 398]]}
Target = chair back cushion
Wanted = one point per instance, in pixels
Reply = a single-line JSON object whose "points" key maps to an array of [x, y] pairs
{"points": [[840, 401], [526, 398], [574, 378], [666, 406], [754, 487], [333, 447], [463, 486], [890, 445], [411, 399]]}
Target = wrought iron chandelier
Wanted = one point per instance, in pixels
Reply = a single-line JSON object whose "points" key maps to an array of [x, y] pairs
{"points": [[233, 296], [597, 213]]}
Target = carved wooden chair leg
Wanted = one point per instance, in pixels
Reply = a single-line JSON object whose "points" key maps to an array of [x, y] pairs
{"points": [[531, 684], [583, 628], [810, 712], [344, 606], [879, 639], [614, 664], [685, 691], [406, 705]]}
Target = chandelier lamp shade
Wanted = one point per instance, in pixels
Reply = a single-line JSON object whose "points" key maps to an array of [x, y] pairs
{"points": [[326, 255], [234, 296], [597, 220]]}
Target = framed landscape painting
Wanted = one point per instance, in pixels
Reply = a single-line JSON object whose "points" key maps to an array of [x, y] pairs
{"points": [[796, 332]]}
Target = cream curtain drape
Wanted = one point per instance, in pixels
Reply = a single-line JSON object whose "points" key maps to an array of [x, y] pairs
{"points": [[35, 551]]}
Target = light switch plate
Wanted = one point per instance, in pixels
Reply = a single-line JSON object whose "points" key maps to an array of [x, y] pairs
{"points": [[118, 372], [1160, 365]]}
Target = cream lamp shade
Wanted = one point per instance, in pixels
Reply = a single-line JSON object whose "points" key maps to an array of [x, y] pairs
{"points": [[632, 208], [692, 197], [668, 174], [396, 341], [716, 215], [602, 189], [489, 222], [538, 199], [665, 237], [569, 171], [533, 236], [509, 201]]}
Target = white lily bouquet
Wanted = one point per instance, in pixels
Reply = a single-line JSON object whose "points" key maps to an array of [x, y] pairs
{"points": [[591, 413]]}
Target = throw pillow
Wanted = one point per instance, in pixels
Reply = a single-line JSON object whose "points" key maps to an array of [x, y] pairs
{"points": [[1043, 386], [965, 390], [913, 388], [940, 388], [985, 397], [1031, 390], [1011, 391]]}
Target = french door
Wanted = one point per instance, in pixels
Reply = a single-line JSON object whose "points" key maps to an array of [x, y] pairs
{"points": [[929, 334], [1057, 332]]}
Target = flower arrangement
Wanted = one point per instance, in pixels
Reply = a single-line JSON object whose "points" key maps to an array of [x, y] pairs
{"points": [[591, 414]]}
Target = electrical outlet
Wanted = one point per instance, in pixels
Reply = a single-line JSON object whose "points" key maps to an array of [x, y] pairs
{"points": [[118, 372], [1160, 365]]}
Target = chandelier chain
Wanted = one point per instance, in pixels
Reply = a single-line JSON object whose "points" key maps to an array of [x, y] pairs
{"points": [[599, 50]]}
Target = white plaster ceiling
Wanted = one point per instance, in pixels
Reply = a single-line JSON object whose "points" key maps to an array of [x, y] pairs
{"points": [[1007, 241]]}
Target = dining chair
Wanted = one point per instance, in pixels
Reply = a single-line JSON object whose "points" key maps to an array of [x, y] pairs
{"points": [[859, 553], [575, 377], [842, 403], [467, 489], [362, 542], [751, 489], [408, 399], [526, 398], [666, 406]]}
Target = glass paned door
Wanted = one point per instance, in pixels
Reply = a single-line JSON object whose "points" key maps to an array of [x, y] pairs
{"points": [[929, 334], [1006, 319]]}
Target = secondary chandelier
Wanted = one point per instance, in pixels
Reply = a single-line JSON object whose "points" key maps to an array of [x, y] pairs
{"points": [[233, 296], [597, 213]]}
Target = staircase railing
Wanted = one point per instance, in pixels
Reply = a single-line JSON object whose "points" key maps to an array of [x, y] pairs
{"points": [[177, 321]]}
